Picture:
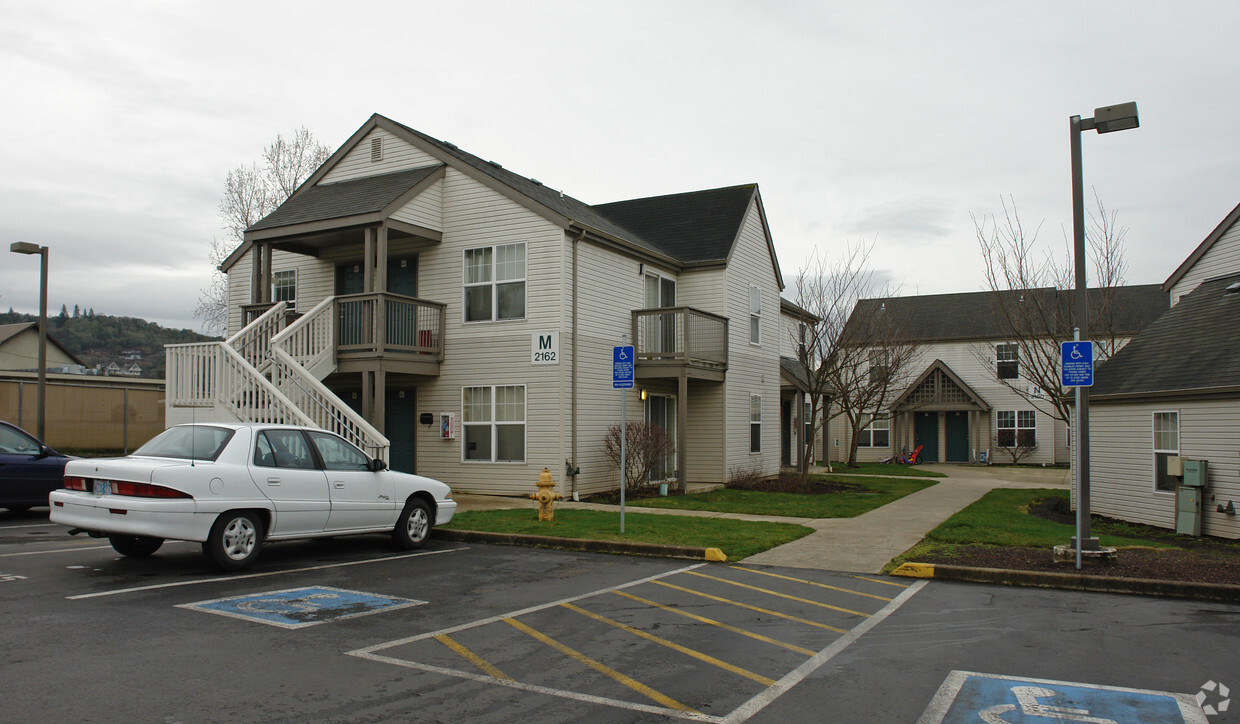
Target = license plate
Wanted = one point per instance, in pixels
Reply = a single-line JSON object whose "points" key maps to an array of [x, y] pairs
{"points": [[102, 487]]}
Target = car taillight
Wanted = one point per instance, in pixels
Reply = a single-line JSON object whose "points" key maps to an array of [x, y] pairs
{"points": [[75, 483], [145, 490]]}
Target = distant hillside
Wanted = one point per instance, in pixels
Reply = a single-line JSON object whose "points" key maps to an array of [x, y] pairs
{"points": [[99, 339]]}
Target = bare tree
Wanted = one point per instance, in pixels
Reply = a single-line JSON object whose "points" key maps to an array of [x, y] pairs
{"points": [[646, 447], [250, 193], [855, 363], [1032, 302]]}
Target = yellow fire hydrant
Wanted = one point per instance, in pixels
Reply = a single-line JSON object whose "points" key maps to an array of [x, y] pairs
{"points": [[545, 496]]}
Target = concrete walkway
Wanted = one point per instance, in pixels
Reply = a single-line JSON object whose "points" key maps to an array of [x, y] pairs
{"points": [[860, 545]]}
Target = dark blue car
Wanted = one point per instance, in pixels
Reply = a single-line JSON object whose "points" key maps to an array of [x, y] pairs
{"points": [[29, 470]]}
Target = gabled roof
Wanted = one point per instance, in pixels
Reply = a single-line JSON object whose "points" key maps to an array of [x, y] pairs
{"points": [[1202, 248], [974, 316], [795, 310], [9, 331], [904, 401], [794, 372], [1192, 349], [706, 223]]}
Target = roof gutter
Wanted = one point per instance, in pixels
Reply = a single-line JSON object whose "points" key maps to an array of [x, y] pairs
{"points": [[572, 468]]}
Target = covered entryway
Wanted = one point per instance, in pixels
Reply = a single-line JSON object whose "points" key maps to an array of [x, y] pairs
{"points": [[956, 434], [945, 413], [926, 436]]}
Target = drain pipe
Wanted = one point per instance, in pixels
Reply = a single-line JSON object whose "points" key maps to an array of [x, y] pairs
{"points": [[573, 468]]}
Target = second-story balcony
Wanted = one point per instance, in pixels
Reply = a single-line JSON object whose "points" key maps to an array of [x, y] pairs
{"points": [[402, 334], [672, 341]]}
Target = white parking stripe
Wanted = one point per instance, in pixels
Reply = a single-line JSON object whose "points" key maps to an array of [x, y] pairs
{"points": [[218, 579], [82, 547], [30, 525]]}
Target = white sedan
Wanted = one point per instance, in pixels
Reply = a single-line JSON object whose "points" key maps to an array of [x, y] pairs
{"points": [[234, 486]]}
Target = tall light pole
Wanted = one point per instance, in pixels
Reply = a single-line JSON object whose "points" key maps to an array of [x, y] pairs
{"points": [[25, 247], [1106, 119]]}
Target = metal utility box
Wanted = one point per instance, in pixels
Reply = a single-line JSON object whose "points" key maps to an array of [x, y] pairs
{"points": [[1188, 509], [1195, 472]]}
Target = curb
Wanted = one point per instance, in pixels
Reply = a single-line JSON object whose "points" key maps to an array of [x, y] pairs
{"points": [[1073, 581], [582, 544]]}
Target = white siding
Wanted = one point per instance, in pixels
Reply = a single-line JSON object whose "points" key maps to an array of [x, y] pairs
{"points": [[397, 156], [1223, 258], [1122, 461], [425, 209]]}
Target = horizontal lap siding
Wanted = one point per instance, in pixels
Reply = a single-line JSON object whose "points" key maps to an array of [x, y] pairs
{"points": [[397, 156], [425, 209], [1223, 258], [1122, 461]]}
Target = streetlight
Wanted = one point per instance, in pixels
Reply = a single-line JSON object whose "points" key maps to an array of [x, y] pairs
{"points": [[1106, 120], [26, 247]]}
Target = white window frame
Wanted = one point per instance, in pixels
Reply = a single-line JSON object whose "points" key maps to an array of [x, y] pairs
{"points": [[1032, 419], [755, 315], [865, 438], [1156, 451], [1007, 352], [275, 284], [494, 283], [755, 423], [494, 424]]}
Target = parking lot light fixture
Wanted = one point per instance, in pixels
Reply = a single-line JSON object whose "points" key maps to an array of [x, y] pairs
{"points": [[26, 247]]}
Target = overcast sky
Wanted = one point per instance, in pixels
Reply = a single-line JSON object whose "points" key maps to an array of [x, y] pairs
{"points": [[889, 122]]}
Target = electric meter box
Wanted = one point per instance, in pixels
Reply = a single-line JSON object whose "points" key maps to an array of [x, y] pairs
{"points": [[1195, 473]]}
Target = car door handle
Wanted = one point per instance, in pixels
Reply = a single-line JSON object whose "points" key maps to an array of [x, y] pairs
{"points": [[339, 484], [273, 481]]}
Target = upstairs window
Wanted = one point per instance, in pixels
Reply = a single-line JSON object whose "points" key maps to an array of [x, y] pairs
{"points": [[284, 287], [1007, 361], [495, 283], [1017, 428], [880, 366], [755, 315]]}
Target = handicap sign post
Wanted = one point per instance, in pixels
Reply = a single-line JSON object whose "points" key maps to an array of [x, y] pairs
{"points": [[1076, 363], [622, 379]]}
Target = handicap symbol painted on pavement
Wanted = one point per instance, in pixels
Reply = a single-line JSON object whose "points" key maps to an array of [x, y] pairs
{"points": [[975, 698], [301, 607]]}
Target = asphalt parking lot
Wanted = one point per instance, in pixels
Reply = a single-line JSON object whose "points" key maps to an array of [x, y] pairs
{"points": [[350, 629]]}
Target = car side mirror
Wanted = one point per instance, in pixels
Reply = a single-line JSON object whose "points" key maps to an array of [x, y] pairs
{"points": [[44, 451], [377, 465]]}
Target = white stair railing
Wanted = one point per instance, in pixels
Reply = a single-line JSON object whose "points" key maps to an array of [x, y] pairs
{"points": [[214, 375], [253, 342]]}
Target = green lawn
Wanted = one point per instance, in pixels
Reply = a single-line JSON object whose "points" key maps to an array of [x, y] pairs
{"points": [[736, 538], [865, 494], [1001, 518], [911, 471]]}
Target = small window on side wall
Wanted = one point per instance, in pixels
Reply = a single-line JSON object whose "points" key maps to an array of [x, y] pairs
{"points": [[1166, 450], [755, 315], [755, 423], [284, 287]]}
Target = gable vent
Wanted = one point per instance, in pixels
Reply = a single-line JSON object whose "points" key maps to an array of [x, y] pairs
{"points": [[376, 149]]}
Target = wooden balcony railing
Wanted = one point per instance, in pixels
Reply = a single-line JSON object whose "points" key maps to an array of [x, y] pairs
{"points": [[383, 323], [676, 336]]}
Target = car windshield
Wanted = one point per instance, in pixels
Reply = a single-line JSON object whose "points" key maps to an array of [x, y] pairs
{"points": [[196, 442]]}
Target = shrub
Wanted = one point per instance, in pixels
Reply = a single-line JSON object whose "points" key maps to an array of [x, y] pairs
{"points": [[645, 446]]}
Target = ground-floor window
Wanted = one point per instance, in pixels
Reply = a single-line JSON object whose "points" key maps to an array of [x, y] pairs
{"points": [[876, 433], [1017, 428], [493, 423], [1166, 447], [755, 423]]}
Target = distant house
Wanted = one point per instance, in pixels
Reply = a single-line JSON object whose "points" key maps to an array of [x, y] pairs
{"points": [[112, 369], [1173, 394], [19, 350], [131, 354], [965, 395], [133, 370]]}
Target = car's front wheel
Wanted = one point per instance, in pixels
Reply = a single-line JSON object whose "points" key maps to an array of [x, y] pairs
{"points": [[414, 525], [135, 546], [235, 540]]}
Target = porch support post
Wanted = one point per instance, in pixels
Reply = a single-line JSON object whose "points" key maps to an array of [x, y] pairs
{"points": [[682, 429], [380, 281], [368, 395], [368, 261], [265, 282], [256, 275], [381, 259], [380, 405]]}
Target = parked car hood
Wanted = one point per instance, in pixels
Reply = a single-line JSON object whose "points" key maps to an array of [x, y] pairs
{"points": [[134, 469]]}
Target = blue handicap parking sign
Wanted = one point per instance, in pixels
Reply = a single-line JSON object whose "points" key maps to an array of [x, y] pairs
{"points": [[622, 367], [1076, 363], [992, 699], [301, 607]]}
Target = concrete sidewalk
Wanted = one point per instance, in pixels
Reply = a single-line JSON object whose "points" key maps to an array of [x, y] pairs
{"points": [[860, 545]]}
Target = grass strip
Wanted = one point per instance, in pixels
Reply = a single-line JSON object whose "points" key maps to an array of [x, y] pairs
{"points": [[909, 471], [862, 495], [736, 538]]}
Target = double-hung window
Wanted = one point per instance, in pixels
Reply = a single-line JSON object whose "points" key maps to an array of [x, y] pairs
{"points": [[880, 366], [1007, 361], [493, 418], [876, 433], [1017, 428], [755, 315], [755, 423], [495, 282], [1166, 446], [284, 287]]}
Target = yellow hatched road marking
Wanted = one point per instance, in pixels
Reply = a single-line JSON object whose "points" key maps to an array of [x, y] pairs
{"points": [[767, 611], [809, 583], [484, 665], [673, 645], [630, 682], [720, 624], [781, 595], [877, 580]]}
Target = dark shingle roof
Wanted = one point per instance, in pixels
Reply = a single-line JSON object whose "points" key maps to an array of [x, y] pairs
{"points": [[793, 370], [698, 226], [973, 315], [346, 198], [1190, 348]]}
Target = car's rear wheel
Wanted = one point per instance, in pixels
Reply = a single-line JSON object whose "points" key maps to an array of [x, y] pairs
{"points": [[414, 525], [235, 540], [135, 546]]}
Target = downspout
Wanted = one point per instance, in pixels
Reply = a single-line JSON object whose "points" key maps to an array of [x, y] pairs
{"points": [[573, 467]]}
